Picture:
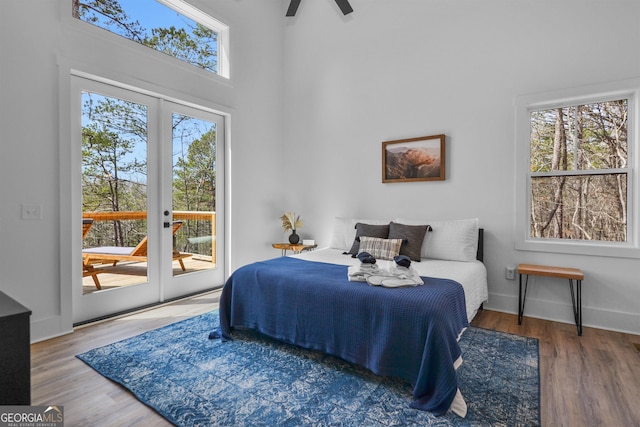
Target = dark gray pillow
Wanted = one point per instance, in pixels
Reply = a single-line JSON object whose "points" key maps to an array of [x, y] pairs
{"points": [[412, 237], [369, 230]]}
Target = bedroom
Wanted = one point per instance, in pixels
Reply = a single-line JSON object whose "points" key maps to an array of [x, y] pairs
{"points": [[311, 102]]}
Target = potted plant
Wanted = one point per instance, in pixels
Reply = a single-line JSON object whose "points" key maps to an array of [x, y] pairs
{"points": [[291, 221]]}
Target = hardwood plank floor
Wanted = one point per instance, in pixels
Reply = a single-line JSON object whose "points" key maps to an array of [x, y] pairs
{"points": [[593, 380], [59, 378]]}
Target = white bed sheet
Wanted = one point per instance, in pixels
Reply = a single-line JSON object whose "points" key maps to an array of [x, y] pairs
{"points": [[471, 275]]}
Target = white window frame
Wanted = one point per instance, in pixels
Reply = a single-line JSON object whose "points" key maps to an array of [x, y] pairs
{"points": [[524, 105]]}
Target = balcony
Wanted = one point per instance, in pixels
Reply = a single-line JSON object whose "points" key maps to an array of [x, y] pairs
{"points": [[194, 241]]}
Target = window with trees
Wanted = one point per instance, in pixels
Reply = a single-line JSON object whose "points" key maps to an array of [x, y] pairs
{"points": [[173, 27], [575, 194], [579, 172]]}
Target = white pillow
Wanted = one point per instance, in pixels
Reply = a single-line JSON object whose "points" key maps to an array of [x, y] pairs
{"points": [[344, 231], [452, 240]]}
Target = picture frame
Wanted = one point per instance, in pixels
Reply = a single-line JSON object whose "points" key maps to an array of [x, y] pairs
{"points": [[414, 159]]}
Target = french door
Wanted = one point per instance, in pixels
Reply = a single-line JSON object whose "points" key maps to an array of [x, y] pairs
{"points": [[151, 193]]}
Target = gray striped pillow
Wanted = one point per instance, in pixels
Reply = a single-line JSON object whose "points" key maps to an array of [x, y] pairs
{"points": [[380, 248]]}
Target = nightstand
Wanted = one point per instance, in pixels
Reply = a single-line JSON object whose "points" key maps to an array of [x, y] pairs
{"points": [[297, 248]]}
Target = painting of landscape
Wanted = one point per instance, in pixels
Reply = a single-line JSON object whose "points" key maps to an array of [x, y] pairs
{"points": [[415, 159]]}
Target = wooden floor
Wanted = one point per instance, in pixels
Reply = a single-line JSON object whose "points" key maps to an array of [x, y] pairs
{"points": [[59, 378], [593, 380], [588, 380], [129, 273]]}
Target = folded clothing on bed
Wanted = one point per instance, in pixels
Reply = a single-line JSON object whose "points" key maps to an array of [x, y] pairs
{"points": [[359, 272], [402, 261], [394, 277], [366, 258], [391, 277]]}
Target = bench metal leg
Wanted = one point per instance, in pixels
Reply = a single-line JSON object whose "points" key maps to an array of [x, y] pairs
{"points": [[522, 298], [576, 301]]}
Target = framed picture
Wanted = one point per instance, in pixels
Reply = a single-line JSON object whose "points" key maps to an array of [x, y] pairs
{"points": [[414, 159]]}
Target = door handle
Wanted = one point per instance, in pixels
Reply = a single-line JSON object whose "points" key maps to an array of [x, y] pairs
{"points": [[167, 224]]}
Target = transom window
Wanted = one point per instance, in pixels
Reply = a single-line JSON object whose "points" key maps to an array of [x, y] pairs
{"points": [[173, 27], [576, 158]]}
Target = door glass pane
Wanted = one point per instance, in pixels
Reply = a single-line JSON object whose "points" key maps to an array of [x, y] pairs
{"points": [[194, 193], [114, 192]]}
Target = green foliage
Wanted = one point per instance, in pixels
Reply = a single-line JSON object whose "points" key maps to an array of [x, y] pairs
{"points": [[114, 165], [194, 178], [177, 42], [194, 184], [109, 15], [113, 154]]}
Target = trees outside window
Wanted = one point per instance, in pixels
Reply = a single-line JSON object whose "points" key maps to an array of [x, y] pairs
{"points": [[114, 166], [579, 172]]}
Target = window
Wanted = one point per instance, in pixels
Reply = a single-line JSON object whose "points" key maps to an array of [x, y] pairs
{"points": [[173, 27], [574, 193], [579, 172]]}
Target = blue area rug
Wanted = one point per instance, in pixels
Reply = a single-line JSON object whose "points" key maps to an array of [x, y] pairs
{"points": [[256, 381]]}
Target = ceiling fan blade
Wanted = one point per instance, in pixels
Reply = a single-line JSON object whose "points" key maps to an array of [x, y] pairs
{"points": [[293, 7], [345, 7]]}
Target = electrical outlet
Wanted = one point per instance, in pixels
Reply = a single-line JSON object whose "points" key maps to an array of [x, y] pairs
{"points": [[31, 212], [511, 273]]}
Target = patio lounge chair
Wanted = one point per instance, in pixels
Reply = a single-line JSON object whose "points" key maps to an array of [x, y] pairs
{"points": [[115, 254], [88, 269]]}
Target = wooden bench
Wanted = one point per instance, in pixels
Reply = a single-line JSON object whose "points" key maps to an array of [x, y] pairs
{"points": [[561, 272]]}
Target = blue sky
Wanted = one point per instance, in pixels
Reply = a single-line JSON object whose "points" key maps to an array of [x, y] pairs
{"points": [[152, 14]]}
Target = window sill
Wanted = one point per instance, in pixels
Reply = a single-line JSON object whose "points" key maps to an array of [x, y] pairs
{"points": [[602, 249]]}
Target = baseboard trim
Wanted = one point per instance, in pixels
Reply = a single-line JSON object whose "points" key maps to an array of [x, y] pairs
{"points": [[560, 311], [45, 329]]}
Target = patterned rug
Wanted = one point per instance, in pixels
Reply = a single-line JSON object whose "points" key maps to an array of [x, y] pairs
{"points": [[256, 381]]}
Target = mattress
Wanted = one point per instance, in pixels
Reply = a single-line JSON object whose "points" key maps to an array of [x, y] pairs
{"points": [[472, 275]]}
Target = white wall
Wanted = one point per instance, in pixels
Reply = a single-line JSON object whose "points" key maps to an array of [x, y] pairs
{"points": [[37, 42], [393, 70]]}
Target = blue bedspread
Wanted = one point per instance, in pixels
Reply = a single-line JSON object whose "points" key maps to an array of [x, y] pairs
{"points": [[408, 332]]}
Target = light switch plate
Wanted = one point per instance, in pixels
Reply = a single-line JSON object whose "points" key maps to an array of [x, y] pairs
{"points": [[31, 212]]}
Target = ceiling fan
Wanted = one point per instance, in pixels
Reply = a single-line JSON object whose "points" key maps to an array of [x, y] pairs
{"points": [[344, 5]]}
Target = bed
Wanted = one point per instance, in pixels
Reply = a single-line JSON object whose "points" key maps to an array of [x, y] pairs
{"points": [[408, 332]]}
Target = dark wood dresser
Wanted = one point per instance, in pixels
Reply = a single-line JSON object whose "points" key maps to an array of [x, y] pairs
{"points": [[15, 352]]}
